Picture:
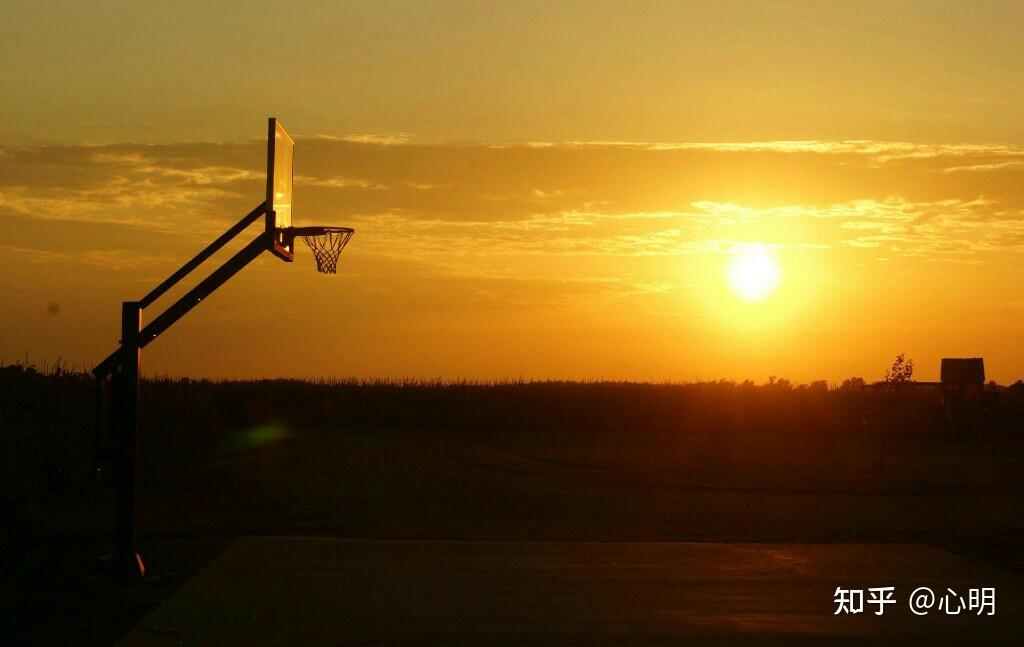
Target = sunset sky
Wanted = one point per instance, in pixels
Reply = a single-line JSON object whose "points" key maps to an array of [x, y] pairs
{"points": [[539, 191]]}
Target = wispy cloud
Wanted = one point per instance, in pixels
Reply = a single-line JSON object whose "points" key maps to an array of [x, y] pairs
{"points": [[106, 259], [885, 150], [379, 139], [336, 183], [979, 168], [435, 203]]}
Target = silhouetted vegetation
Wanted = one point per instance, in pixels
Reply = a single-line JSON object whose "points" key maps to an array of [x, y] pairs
{"points": [[48, 444], [901, 371]]}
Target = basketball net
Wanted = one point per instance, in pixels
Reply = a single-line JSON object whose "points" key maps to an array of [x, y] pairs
{"points": [[327, 246]]}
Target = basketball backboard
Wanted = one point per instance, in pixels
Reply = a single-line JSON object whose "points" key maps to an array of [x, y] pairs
{"points": [[280, 148]]}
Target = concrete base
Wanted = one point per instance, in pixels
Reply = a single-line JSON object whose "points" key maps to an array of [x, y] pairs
{"points": [[293, 590]]}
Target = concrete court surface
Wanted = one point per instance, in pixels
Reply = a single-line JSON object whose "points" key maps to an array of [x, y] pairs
{"points": [[324, 591]]}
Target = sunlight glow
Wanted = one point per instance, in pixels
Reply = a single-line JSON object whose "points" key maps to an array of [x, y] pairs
{"points": [[754, 273]]}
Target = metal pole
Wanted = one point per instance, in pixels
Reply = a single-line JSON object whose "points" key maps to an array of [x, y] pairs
{"points": [[125, 559], [97, 448]]}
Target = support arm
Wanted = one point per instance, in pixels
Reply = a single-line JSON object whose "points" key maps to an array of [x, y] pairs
{"points": [[181, 307], [209, 251], [205, 288]]}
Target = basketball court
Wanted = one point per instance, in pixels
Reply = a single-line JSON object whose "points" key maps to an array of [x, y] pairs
{"points": [[299, 590]]}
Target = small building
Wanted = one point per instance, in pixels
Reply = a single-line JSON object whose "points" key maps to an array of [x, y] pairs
{"points": [[963, 390], [963, 378], [962, 371]]}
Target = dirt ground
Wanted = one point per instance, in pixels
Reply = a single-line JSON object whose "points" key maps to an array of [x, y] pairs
{"points": [[573, 486]]}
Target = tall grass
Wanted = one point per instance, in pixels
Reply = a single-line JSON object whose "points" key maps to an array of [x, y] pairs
{"points": [[47, 444]]}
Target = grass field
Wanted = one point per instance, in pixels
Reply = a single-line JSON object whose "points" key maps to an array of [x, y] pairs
{"points": [[551, 461]]}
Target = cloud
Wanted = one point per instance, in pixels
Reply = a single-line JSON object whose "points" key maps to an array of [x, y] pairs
{"points": [[978, 168], [880, 150], [146, 187], [935, 228], [380, 139], [106, 259], [302, 181], [433, 202]]}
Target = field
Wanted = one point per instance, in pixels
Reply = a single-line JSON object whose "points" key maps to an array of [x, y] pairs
{"points": [[610, 462]]}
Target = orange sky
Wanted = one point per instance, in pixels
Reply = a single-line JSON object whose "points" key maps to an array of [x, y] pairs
{"points": [[528, 199]]}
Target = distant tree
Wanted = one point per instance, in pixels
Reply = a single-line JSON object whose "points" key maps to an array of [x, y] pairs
{"points": [[900, 372], [852, 383]]}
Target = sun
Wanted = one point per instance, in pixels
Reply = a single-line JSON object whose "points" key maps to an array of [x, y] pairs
{"points": [[753, 274]]}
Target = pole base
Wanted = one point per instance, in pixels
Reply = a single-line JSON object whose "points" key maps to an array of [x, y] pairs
{"points": [[124, 565]]}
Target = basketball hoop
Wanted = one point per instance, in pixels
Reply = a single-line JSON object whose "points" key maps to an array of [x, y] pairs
{"points": [[277, 236], [326, 244]]}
